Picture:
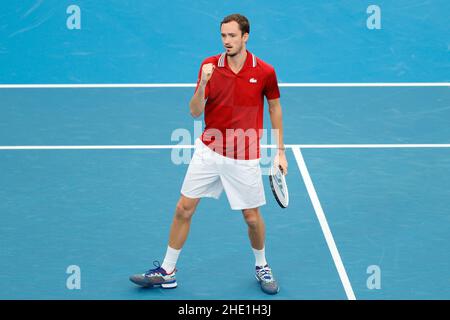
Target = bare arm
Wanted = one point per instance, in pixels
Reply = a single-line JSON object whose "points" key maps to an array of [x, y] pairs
{"points": [[276, 118], [198, 101]]}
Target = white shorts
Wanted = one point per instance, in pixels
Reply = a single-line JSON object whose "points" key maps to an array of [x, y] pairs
{"points": [[209, 173]]}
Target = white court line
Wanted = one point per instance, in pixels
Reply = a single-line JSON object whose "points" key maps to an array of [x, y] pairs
{"points": [[368, 146], [97, 85], [324, 224], [179, 146], [189, 85], [118, 147]]}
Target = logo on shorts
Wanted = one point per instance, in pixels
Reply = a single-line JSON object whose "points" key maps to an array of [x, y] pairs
{"points": [[253, 80]]}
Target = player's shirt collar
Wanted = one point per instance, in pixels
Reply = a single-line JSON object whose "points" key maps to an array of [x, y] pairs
{"points": [[250, 61]]}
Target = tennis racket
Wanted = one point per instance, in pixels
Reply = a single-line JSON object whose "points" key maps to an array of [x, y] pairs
{"points": [[279, 186]]}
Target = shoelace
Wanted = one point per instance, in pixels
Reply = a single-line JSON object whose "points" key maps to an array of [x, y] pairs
{"points": [[156, 271], [265, 273]]}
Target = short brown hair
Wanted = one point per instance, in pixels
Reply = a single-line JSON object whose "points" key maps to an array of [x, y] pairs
{"points": [[244, 25]]}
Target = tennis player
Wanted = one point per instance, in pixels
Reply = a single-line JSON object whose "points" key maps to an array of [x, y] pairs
{"points": [[230, 90]]}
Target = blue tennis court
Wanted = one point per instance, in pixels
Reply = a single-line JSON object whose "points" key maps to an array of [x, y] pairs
{"points": [[88, 177]]}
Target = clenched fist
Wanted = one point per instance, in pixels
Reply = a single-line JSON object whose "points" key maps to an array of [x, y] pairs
{"points": [[207, 71]]}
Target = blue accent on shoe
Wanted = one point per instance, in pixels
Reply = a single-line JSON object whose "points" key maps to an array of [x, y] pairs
{"points": [[156, 277], [266, 280], [156, 270]]}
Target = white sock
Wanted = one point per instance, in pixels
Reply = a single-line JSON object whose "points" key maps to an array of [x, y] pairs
{"points": [[260, 257], [170, 260]]}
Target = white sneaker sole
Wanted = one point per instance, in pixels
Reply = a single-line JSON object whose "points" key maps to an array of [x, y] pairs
{"points": [[169, 285]]}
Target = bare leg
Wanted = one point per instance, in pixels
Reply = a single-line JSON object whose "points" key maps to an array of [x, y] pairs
{"points": [[256, 227], [182, 221]]}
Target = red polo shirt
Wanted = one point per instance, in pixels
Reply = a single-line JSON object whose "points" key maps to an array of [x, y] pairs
{"points": [[235, 106]]}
